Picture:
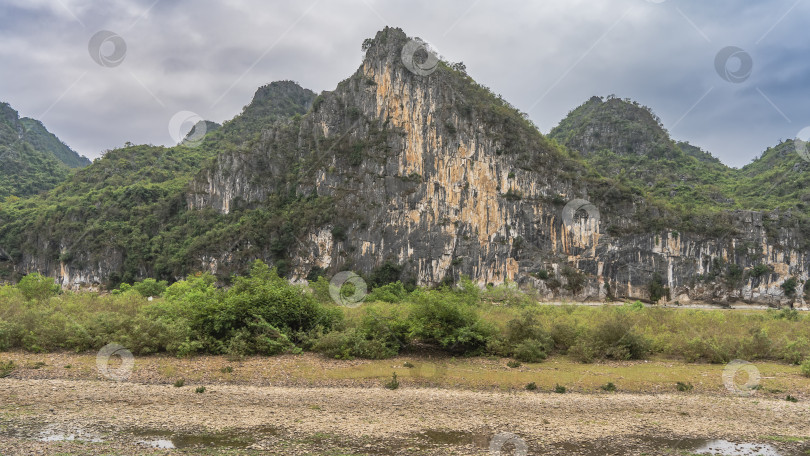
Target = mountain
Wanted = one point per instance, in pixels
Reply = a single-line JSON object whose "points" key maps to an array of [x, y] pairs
{"points": [[125, 217], [410, 170], [626, 141], [32, 159]]}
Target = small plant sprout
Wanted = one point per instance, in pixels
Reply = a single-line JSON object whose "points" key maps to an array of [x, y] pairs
{"points": [[393, 383], [608, 387]]}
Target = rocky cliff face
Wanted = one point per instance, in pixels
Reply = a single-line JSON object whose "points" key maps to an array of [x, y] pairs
{"points": [[435, 174]]}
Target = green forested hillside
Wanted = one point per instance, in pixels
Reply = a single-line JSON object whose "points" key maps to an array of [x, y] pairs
{"points": [[623, 139], [31, 158], [132, 200]]}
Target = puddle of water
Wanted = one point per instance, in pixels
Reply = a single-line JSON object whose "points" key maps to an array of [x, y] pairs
{"points": [[601, 447], [171, 440], [160, 443], [691, 446], [726, 448]]}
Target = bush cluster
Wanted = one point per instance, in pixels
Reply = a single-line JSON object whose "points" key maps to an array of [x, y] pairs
{"points": [[263, 314]]}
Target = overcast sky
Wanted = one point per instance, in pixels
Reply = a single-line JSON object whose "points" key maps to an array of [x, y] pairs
{"points": [[545, 57]]}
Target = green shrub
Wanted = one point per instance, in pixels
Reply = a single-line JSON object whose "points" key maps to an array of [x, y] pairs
{"points": [[260, 314], [608, 387], [756, 346], [657, 289], [583, 351], [760, 270], [320, 290], [564, 336], [449, 320], [150, 287], [619, 340], [806, 368], [635, 305], [531, 386], [179, 383], [789, 286], [531, 351], [524, 339], [684, 387], [200, 390], [391, 292], [559, 389], [393, 383], [386, 274], [575, 280], [336, 344], [542, 274], [790, 398], [375, 337], [257, 337], [796, 350], [787, 314], [513, 364], [6, 368], [37, 287]]}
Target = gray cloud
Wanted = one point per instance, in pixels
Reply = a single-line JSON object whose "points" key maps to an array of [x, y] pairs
{"points": [[545, 57]]}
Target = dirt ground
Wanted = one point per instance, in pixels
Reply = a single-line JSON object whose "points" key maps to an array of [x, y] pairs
{"points": [[43, 407]]}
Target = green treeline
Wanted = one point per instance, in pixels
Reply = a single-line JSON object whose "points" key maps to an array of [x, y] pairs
{"points": [[263, 314]]}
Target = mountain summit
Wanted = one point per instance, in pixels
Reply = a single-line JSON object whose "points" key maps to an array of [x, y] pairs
{"points": [[32, 159]]}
